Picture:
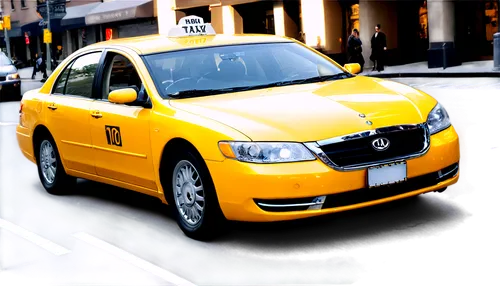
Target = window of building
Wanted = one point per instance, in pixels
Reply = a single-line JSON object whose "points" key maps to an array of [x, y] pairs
{"points": [[491, 19], [12, 5], [23, 3], [424, 27], [78, 78]]}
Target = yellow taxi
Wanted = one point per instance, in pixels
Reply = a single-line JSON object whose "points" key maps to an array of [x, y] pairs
{"points": [[243, 127]]}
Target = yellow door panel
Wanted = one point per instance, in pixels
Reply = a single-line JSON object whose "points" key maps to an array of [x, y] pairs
{"points": [[121, 143], [68, 121]]}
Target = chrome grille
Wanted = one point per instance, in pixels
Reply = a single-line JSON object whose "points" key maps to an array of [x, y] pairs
{"points": [[356, 150]]}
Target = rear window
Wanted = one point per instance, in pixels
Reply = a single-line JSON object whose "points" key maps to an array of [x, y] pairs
{"points": [[236, 66]]}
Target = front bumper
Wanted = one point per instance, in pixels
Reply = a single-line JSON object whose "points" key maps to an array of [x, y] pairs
{"points": [[10, 89], [240, 186]]}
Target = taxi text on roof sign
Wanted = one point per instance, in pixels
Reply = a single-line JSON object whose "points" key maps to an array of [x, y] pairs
{"points": [[191, 26]]}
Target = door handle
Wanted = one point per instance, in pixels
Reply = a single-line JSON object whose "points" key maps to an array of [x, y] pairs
{"points": [[52, 106], [96, 114]]}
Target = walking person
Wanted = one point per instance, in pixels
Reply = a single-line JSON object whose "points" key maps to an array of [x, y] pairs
{"points": [[355, 50], [35, 66], [42, 66], [379, 46]]}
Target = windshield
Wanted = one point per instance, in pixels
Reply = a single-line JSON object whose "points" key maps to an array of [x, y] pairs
{"points": [[4, 60], [214, 70]]}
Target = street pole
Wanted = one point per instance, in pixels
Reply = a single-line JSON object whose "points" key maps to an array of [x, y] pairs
{"points": [[7, 42], [49, 62], [496, 44]]}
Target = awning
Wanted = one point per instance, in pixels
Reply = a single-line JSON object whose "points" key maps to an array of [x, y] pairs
{"points": [[185, 4], [236, 2], [120, 10], [75, 16], [35, 29], [13, 33]]}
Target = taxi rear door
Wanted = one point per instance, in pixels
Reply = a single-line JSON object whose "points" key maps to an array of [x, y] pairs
{"points": [[67, 112], [120, 132]]}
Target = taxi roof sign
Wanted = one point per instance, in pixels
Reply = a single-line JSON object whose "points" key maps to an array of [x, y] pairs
{"points": [[191, 26]]}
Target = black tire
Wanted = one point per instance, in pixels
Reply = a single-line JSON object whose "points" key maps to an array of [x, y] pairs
{"points": [[19, 93], [61, 183], [212, 221]]}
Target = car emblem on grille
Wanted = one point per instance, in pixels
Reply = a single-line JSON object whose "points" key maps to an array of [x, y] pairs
{"points": [[381, 144]]}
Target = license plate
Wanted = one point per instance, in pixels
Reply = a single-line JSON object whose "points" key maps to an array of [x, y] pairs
{"points": [[386, 174]]}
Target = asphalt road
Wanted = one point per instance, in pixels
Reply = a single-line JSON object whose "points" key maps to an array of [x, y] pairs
{"points": [[108, 236]]}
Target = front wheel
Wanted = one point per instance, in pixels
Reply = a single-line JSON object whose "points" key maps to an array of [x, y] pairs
{"points": [[196, 206], [50, 169]]}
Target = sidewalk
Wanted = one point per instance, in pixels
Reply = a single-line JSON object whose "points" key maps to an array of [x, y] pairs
{"points": [[467, 69], [25, 74], [420, 69]]}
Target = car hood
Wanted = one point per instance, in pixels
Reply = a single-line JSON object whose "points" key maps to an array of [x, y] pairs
{"points": [[8, 69], [314, 112]]}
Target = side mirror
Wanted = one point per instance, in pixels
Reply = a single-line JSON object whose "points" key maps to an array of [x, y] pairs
{"points": [[353, 68], [123, 96]]}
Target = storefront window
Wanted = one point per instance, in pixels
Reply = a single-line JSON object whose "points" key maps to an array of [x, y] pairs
{"points": [[354, 18], [423, 21], [491, 19], [270, 22]]}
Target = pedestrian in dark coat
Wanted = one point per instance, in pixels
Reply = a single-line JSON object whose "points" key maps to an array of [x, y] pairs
{"points": [[355, 50], [35, 66], [42, 65], [379, 46]]}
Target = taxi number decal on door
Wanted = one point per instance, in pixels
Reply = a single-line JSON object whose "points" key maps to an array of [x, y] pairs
{"points": [[113, 135]]}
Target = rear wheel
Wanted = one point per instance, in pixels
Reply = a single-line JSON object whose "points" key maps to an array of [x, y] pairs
{"points": [[196, 205], [50, 169]]}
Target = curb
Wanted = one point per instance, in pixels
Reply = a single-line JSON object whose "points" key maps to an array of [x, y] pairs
{"points": [[441, 74]]}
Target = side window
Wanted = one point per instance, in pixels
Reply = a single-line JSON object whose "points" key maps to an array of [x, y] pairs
{"points": [[61, 81], [81, 75], [120, 74]]}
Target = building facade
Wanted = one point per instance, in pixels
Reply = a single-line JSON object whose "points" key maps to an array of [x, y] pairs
{"points": [[417, 30]]}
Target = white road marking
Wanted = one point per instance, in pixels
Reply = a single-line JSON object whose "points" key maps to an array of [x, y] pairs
{"points": [[478, 84], [7, 123], [130, 258], [485, 86], [34, 238], [441, 85], [425, 84]]}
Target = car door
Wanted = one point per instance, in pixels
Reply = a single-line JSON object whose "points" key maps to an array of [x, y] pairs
{"points": [[68, 107], [121, 133]]}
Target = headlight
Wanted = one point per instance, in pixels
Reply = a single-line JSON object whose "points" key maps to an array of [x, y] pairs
{"points": [[438, 119], [13, 76], [266, 152]]}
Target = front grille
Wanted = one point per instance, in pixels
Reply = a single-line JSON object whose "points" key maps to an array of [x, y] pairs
{"points": [[403, 142], [362, 195], [3, 78]]}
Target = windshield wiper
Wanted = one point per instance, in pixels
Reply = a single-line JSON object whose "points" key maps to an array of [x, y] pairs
{"points": [[299, 81], [323, 78], [200, 92], [206, 92]]}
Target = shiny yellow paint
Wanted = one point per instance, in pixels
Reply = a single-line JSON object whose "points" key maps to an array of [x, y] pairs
{"points": [[244, 182], [299, 113], [122, 96], [353, 68]]}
